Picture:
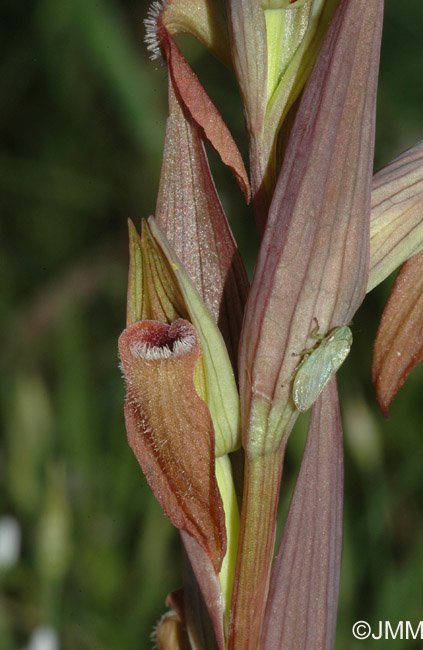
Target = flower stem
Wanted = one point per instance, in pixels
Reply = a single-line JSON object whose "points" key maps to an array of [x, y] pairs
{"points": [[255, 550], [227, 492]]}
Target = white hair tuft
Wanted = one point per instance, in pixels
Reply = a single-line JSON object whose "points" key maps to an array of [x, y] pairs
{"points": [[143, 350], [151, 28]]}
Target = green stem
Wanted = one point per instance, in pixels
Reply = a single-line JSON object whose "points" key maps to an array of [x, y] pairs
{"points": [[255, 550], [227, 492]]}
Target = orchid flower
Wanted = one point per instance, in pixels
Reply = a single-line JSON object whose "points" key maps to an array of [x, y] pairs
{"points": [[210, 362]]}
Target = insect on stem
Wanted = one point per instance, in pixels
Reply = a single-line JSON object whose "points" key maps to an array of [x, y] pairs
{"points": [[319, 364]]}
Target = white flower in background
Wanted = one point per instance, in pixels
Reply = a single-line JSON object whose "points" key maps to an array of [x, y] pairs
{"points": [[44, 637], [10, 542]]}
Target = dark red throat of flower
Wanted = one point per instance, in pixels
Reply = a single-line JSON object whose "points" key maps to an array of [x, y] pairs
{"points": [[159, 341]]}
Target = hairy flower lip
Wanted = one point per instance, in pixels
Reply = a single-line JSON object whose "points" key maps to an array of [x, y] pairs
{"points": [[160, 341], [170, 430]]}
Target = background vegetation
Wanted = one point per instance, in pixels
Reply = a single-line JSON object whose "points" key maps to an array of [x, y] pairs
{"points": [[82, 119]]}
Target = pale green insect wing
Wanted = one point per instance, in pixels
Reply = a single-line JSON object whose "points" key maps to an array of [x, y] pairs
{"points": [[318, 368]]}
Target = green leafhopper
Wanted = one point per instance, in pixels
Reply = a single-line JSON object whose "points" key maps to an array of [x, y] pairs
{"points": [[319, 365]]}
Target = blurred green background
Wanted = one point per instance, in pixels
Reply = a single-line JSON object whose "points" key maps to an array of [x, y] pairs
{"points": [[82, 119]]}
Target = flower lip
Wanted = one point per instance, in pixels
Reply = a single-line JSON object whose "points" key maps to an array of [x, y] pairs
{"points": [[160, 341], [170, 429]]}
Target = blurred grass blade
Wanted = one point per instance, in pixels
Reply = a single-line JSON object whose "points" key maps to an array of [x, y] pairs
{"points": [[399, 341], [99, 27], [396, 224], [303, 595]]}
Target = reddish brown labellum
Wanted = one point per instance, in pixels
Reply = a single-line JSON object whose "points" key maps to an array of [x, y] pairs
{"points": [[170, 429]]}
